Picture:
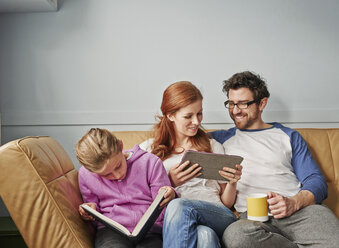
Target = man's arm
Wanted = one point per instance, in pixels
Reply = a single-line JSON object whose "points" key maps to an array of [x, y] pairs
{"points": [[306, 169], [313, 185], [303, 199]]}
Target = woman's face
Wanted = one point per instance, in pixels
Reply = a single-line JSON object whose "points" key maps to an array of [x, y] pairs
{"points": [[186, 121]]}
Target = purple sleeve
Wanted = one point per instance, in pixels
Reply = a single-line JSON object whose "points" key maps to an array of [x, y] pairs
{"points": [[85, 180], [158, 177]]}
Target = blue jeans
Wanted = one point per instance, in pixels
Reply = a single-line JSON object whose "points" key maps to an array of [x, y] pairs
{"points": [[184, 218]]}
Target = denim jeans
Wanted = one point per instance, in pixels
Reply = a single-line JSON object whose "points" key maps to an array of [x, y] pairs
{"points": [[184, 218]]}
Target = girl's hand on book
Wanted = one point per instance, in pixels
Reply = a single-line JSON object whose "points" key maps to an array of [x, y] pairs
{"points": [[178, 174], [169, 195], [233, 175], [84, 215]]}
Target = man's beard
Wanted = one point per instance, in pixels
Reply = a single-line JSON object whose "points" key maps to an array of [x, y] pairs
{"points": [[249, 121]]}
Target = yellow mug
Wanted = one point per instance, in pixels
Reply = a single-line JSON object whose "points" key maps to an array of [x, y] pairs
{"points": [[257, 207]]}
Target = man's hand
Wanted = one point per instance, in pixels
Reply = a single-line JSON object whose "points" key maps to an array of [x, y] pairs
{"points": [[178, 175], [281, 207]]}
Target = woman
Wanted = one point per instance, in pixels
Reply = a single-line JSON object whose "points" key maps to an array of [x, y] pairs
{"points": [[202, 214]]}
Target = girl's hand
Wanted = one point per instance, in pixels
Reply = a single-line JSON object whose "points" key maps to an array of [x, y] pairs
{"points": [[169, 195], [84, 215], [233, 175], [178, 175]]}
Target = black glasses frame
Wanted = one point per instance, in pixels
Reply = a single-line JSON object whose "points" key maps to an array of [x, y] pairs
{"points": [[236, 104]]}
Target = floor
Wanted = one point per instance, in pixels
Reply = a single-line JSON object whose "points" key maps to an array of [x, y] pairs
{"points": [[9, 234]]}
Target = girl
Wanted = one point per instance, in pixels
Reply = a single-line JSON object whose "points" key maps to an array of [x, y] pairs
{"points": [[120, 185]]}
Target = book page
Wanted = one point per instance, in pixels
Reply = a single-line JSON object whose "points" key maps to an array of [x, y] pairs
{"points": [[152, 208], [105, 220]]}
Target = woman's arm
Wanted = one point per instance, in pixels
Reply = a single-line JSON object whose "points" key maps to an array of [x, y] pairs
{"points": [[228, 191], [228, 194], [178, 175]]}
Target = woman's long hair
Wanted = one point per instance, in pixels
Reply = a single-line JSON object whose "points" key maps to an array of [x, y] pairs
{"points": [[175, 97]]}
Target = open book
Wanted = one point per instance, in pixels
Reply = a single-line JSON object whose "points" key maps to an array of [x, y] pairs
{"points": [[142, 227], [211, 163]]}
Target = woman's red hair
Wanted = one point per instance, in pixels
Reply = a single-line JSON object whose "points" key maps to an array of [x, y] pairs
{"points": [[175, 97]]}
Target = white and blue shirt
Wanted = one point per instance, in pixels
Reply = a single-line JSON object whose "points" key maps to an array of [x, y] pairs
{"points": [[276, 159]]}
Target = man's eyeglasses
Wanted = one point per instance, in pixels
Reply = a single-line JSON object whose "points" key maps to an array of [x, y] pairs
{"points": [[240, 105]]}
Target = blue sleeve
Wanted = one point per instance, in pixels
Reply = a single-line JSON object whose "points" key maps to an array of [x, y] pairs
{"points": [[222, 135], [306, 169]]}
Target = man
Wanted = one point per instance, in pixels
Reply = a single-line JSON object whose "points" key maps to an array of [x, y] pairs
{"points": [[277, 162]]}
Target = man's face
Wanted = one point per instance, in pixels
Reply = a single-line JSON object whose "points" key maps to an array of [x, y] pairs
{"points": [[249, 118]]}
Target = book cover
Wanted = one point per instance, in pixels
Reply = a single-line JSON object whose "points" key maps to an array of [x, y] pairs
{"points": [[142, 227], [211, 163]]}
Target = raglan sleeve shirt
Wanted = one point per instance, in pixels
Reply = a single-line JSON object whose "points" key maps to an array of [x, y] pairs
{"points": [[304, 166]]}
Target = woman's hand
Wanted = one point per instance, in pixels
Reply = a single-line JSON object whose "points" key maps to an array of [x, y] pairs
{"points": [[84, 215], [169, 195], [178, 175], [233, 175]]}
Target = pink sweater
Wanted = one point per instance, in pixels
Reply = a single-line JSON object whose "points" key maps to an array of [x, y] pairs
{"points": [[127, 200]]}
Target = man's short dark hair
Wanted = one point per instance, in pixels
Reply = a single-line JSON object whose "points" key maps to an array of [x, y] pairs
{"points": [[249, 80]]}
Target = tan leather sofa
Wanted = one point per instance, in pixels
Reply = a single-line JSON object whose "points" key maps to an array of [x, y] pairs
{"points": [[39, 185]]}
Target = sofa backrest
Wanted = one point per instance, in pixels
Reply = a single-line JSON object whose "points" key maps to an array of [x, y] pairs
{"points": [[324, 146], [39, 186], [323, 143]]}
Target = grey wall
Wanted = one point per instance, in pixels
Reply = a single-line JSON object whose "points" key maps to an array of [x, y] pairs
{"points": [[106, 63]]}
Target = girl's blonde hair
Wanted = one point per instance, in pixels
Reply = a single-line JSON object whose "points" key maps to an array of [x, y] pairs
{"points": [[178, 95], [96, 147]]}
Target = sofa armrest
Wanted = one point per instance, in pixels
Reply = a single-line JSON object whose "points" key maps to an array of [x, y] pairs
{"points": [[39, 186]]}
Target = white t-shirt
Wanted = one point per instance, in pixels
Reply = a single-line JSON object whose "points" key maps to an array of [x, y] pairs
{"points": [[196, 188], [267, 163]]}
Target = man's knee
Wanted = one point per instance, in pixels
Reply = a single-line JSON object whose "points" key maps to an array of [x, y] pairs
{"points": [[239, 234]]}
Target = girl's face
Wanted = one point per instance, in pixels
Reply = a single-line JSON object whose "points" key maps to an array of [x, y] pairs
{"points": [[115, 168], [186, 120]]}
